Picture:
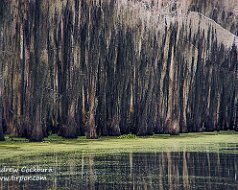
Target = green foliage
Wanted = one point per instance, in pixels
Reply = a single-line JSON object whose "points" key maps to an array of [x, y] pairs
{"points": [[127, 136]]}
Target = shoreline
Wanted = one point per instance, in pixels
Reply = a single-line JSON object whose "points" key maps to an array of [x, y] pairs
{"points": [[223, 141]]}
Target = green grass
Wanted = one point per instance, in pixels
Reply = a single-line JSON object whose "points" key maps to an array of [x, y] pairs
{"points": [[225, 141]]}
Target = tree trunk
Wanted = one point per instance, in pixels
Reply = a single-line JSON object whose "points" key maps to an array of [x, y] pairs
{"points": [[1, 115], [37, 132], [91, 125]]}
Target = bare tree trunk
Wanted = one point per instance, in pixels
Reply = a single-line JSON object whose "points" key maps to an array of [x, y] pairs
{"points": [[91, 125], [37, 132], [1, 115]]}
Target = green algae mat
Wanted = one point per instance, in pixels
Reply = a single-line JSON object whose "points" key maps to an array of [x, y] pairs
{"points": [[225, 142]]}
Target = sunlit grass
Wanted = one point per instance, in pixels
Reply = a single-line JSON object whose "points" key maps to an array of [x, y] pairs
{"points": [[225, 141]]}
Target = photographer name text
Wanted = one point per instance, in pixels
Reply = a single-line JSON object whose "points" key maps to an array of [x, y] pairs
{"points": [[26, 169]]}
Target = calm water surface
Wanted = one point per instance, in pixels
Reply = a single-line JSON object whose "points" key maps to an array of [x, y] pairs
{"points": [[168, 170]]}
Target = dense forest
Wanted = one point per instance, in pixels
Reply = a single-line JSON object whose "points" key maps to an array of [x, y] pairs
{"points": [[113, 67]]}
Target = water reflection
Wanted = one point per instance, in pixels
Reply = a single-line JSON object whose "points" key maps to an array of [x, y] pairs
{"points": [[165, 171]]}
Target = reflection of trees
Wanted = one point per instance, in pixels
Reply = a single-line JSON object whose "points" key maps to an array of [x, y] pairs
{"points": [[185, 172], [165, 171], [181, 170], [91, 172]]}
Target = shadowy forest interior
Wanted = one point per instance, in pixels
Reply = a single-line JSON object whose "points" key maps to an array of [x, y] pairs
{"points": [[113, 67]]}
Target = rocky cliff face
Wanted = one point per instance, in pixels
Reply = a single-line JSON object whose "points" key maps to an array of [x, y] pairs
{"points": [[110, 67]]}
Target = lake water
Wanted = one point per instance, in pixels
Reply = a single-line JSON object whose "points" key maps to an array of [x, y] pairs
{"points": [[168, 170]]}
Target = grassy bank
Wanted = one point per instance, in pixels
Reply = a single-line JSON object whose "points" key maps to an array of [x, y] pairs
{"points": [[226, 141]]}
